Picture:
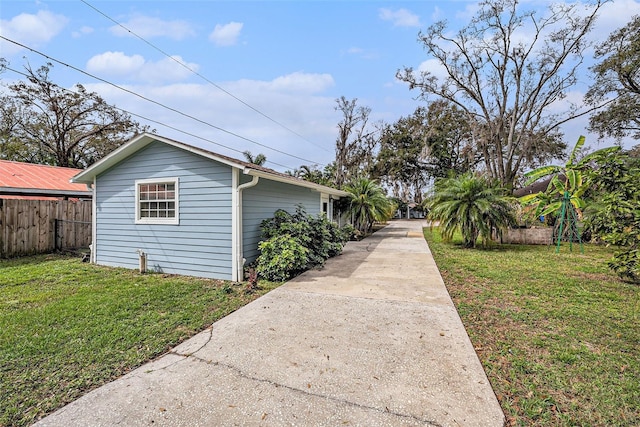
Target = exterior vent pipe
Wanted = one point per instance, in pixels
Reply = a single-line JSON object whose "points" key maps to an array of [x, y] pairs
{"points": [[142, 260]]}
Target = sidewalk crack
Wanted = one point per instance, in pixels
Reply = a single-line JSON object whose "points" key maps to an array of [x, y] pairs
{"points": [[386, 410]]}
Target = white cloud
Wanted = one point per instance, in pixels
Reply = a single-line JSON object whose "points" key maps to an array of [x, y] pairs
{"points": [[434, 67], [168, 69], [438, 14], [227, 34], [136, 68], [30, 29], [300, 101], [468, 13], [115, 63], [82, 31], [149, 27], [362, 53], [355, 51], [613, 16], [302, 83], [400, 17]]}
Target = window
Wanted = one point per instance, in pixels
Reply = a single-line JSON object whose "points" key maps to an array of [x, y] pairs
{"points": [[157, 201], [325, 205]]}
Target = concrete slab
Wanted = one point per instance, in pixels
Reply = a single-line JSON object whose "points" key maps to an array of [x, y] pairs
{"points": [[372, 339]]}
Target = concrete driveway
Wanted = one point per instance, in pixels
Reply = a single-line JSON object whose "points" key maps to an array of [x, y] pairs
{"points": [[372, 339]]}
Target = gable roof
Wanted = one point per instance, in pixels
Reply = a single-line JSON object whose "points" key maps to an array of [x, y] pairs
{"points": [[22, 180], [139, 142]]}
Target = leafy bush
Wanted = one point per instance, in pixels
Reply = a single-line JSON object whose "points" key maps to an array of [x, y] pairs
{"points": [[614, 217], [281, 258], [286, 234], [617, 222]]}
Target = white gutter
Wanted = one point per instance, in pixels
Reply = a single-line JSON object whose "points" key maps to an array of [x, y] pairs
{"points": [[236, 238], [300, 183]]}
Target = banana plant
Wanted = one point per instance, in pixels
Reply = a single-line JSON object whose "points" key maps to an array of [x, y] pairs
{"points": [[566, 182]]}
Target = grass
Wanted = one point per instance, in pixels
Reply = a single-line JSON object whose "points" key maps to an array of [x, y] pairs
{"points": [[67, 327], [558, 334]]}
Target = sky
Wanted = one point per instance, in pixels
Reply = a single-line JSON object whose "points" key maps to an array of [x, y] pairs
{"points": [[262, 76]]}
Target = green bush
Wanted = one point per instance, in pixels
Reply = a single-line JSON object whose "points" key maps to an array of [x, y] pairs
{"points": [[281, 258], [283, 236], [614, 217]]}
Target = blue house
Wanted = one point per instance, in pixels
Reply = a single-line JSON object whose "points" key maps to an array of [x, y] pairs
{"points": [[185, 210]]}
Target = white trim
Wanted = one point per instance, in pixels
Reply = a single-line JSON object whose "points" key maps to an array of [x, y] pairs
{"points": [[297, 182], [170, 221], [94, 222], [236, 233], [324, 198]]}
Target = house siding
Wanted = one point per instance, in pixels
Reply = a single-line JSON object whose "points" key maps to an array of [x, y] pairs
{"points": [[199, 245], [261, 201]]}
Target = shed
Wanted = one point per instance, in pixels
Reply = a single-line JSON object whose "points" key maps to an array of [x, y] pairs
{"points": [[189, 210]]}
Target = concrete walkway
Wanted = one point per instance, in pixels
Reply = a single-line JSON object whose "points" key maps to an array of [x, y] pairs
{"points": [[372, 339]]}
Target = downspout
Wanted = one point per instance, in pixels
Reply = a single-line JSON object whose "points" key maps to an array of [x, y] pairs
{"points": [[93, 255], [237, 274]]}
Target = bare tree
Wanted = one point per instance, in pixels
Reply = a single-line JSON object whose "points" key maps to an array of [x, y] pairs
{"points": [[354, 146], [505, 69], [52, 125]]}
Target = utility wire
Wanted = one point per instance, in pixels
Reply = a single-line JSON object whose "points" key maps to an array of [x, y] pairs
{"points": [[182, 64], [153, 101], [156, 122]]}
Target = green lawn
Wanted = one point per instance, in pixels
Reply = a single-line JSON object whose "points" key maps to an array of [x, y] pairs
{"points": [[67, 327], [558, 334]]}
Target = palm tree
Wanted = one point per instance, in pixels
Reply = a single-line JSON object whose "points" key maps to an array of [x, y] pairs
{"points": [[368, 204], [259, 159], [472, 204]]}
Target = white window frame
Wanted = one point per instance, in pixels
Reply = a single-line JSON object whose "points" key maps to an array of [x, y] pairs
{"points": [[171, 221]]}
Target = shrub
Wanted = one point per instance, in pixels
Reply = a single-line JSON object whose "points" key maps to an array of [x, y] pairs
{"points": [[614, 217], [281, 259]]}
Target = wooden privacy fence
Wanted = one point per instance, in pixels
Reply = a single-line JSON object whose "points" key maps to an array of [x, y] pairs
{"points": [[41, 226]]}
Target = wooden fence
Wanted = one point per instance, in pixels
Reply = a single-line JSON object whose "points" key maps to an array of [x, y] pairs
{"points": [[41, 226]]}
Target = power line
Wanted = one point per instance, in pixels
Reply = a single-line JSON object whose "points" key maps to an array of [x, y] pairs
{"points": [[182, 64], [153, 101], [157, 122]]}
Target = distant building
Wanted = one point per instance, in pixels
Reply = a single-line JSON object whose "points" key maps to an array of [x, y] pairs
{"points": [[42, 182]]}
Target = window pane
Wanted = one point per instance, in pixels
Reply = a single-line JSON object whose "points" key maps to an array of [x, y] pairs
{"points": [[157, 200]]}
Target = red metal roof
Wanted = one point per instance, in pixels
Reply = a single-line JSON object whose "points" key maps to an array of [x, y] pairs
{"points": [[41, 177]]}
